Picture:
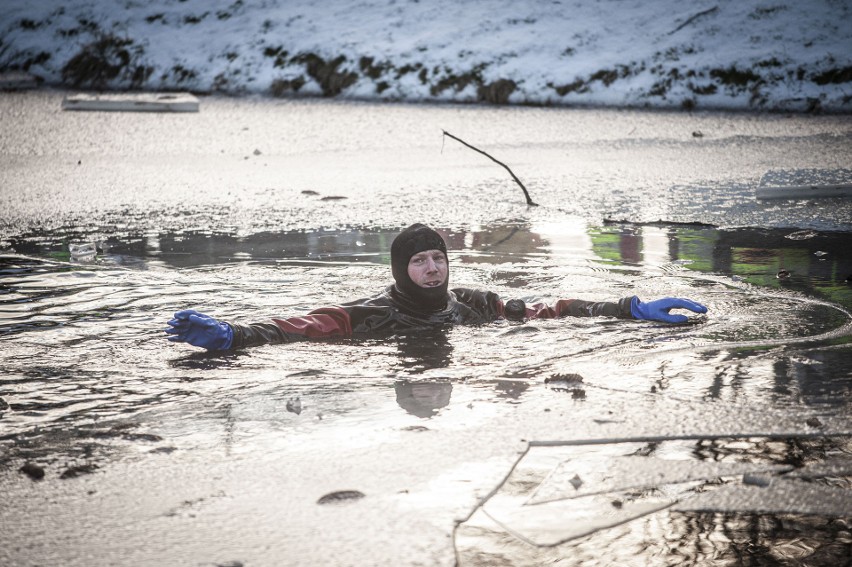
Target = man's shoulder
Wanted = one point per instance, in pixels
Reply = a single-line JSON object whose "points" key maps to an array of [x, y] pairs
{"points": [[470, 295], [471, 291]]}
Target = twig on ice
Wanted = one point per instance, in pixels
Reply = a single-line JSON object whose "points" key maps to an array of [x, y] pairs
{"points": [[515, 177]]}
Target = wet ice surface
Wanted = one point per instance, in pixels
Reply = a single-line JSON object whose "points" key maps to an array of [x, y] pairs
{"points": [[172, 455]]}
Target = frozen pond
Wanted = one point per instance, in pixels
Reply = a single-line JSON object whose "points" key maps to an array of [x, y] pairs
{"points": [[587, 441]]}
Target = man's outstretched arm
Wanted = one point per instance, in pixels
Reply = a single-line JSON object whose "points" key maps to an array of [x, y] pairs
{"points": [[203, 331], [627, 308]]}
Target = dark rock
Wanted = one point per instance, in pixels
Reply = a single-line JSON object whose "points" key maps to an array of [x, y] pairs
{"points": [[33, 471], [814, 422], [294, 405], [340, 496]]}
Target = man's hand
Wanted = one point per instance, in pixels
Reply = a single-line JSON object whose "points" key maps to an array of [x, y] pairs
{"points": [[200, 330], [658, 310]]}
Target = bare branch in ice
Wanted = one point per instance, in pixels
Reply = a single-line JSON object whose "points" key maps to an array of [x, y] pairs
{"points": [[515, 177]]}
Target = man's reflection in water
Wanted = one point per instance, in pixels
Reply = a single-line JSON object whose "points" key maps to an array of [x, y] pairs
{"points": [[423, 399], [425, 350], [420, 352]]}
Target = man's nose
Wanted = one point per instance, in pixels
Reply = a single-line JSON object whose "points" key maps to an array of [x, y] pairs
{"points": [[431, 266]]}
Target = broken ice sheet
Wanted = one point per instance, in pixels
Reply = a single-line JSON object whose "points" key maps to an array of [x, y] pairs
{"points": [[542, 504]]}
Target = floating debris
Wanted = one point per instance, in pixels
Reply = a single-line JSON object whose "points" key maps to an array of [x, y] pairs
{"points": [[84, 251], [132, 102], [333, 198], [309, 192], [698, 134], [257, 152], [783, 275], [820, 253], [340, 496]]}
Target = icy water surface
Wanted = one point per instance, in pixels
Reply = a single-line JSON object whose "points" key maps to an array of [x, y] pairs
{"points": [[90, 383], [723, 441]]}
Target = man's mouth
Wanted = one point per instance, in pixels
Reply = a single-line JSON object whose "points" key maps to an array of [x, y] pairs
{"points": [[433, 283]]}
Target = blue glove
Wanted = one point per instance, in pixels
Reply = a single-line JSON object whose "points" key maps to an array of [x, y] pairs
{"points": [[200, 330], [659, 310]]}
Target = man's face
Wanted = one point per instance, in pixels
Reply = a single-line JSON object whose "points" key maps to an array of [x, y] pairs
{"points": [[428, 268]]}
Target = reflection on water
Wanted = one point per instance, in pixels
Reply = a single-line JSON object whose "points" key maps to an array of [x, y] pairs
{"points": [[89, 380], [807, 261]]}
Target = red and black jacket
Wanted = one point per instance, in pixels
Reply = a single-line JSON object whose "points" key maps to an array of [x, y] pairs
{"points": [[390, 313]]}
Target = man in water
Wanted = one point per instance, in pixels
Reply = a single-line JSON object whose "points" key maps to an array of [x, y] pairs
{"points": [[418, 300]]}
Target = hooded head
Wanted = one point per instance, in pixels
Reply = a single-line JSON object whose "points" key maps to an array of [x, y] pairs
{"points": [[413, 240]]}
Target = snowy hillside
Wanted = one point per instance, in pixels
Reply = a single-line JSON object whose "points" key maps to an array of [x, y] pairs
{"points": [[773, 54]]}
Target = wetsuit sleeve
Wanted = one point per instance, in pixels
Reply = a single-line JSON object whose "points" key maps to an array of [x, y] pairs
{"points": [[580, 308], [321, 323]]}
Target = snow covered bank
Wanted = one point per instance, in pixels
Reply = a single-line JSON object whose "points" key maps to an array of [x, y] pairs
{"points": [[778, 55]]}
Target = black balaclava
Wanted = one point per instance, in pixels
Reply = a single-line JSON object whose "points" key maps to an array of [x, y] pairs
{"points": [[413, 240]]}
